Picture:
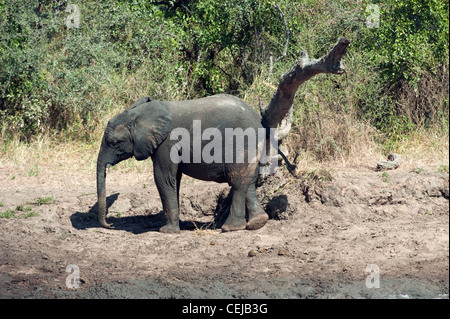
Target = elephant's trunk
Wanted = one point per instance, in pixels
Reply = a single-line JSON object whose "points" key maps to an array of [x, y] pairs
{"points": [[101, 193]]}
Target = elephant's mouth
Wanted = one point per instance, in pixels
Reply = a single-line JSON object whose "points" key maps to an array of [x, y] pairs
{"points": [[118, 158]]}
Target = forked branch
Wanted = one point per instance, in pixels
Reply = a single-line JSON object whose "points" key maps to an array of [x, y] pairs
{"points": [[303, 70]]}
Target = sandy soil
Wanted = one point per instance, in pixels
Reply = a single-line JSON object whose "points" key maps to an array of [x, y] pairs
{"points": [[321, 237]]}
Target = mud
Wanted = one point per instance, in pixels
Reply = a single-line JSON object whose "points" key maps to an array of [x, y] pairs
{"points": [[321, 237]]}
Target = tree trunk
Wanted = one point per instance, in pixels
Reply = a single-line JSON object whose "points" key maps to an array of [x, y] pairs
{"points": [[303, 70]]}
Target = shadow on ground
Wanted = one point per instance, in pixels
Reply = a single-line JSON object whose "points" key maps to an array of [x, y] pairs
{"points": [[141, 223]]}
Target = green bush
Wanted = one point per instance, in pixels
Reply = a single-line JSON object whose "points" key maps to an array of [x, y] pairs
{"points": [[55, 79], [409, 51], [412, 39]]}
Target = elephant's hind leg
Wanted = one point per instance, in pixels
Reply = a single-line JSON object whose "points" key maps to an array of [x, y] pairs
{"points": [[236, 218], [257, 217]]}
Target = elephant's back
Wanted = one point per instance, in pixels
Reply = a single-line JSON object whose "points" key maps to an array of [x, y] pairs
{"points": [[216, 109]]}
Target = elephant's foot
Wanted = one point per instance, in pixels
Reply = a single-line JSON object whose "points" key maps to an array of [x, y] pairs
{"points": [[234, 225], [257, 221], [170, 229]]}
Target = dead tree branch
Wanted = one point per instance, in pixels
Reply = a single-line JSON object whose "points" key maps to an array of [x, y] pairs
{"points": [[303, 70]]}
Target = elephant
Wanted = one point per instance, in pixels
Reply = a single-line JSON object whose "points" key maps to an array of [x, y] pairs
{"points": [[148, 129]]}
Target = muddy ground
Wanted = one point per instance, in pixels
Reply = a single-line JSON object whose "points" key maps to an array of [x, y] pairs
{"points": [[318, 243]]}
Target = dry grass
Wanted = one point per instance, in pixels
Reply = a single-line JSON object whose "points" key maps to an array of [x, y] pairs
{"points": [[424, 149], [48, 153], [337, 142], [427, 102], [421, 149], [337, 139]]}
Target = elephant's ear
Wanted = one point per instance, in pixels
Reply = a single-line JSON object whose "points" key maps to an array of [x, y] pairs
{"points": [[151, 127]]}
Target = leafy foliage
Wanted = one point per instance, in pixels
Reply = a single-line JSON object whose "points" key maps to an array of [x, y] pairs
{"points": [[53, 76], [409, 50], [412, 38], [55, 79]]}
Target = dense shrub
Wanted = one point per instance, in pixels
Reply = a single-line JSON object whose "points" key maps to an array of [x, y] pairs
{"points": [[409, 51], [53, 76], [56, 79]]}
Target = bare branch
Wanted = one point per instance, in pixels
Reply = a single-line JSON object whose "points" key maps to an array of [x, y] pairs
{"points": [[303, 70], [285, 125]]}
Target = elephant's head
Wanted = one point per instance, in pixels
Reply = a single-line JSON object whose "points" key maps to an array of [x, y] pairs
{"points": [[137, 132]]}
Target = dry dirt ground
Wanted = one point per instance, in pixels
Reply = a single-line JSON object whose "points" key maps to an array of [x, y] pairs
{"points": [[322, 237]]}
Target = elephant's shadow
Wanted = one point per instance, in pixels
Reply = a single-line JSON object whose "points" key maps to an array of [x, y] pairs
{"points": [[144, 223]]}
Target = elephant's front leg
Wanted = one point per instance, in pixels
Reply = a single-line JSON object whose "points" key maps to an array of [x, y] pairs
{"points": [[168, 185]]}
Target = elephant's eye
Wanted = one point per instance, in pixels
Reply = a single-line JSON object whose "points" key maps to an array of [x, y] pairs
{"points": [[118, 135], [112, 141]]}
